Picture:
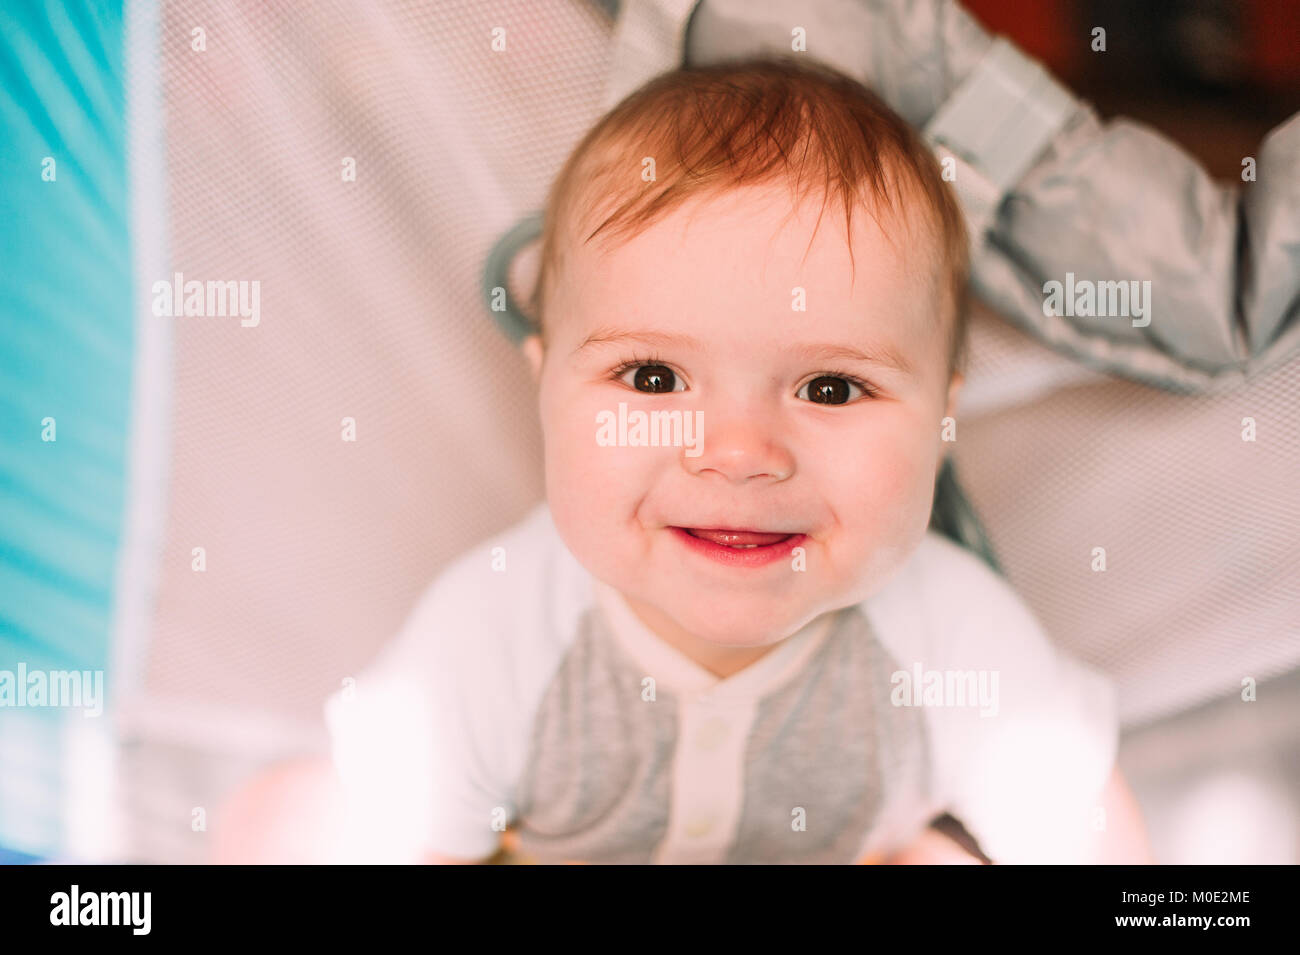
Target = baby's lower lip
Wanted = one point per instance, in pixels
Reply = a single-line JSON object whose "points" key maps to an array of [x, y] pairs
{"points": [[738, 548]]}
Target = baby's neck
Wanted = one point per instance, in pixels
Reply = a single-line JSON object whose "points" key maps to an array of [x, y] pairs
{"points": [[722, 662]]}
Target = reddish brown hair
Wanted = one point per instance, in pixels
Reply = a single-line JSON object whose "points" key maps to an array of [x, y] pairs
{"points": [[757, 121]]}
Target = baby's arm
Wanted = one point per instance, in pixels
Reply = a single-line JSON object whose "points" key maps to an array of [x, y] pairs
{"points": [[433, 858], [293, 814], [1122, 841], [932, 847]]}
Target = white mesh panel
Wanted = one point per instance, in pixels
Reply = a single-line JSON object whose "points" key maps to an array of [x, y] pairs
{"points": [[1201, 529], [371, 308]]}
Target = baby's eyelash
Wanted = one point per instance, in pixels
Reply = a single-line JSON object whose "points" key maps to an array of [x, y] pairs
{"points": [[636, 362], [627, 366], [867, 389]]}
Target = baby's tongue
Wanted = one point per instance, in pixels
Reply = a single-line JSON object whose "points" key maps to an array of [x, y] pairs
{"points": [[736, 538]]}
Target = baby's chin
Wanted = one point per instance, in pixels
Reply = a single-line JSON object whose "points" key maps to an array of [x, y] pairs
{"points": [[736, 620]]}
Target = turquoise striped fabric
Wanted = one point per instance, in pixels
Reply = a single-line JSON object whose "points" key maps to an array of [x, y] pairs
{"points": [[66, 344]]}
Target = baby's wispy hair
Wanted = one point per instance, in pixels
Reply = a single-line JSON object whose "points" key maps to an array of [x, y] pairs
{"points": [[716, 128]]}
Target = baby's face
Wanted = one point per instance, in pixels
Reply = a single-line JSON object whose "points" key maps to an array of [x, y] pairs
{"points": [[708, 297]]}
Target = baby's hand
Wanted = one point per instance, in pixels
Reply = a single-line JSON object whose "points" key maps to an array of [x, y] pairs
{"points": [[932, 847]]}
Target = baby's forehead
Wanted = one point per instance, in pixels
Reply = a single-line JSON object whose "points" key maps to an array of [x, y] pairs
{"points": [[749, 272], [746, 279], [764, 234]]}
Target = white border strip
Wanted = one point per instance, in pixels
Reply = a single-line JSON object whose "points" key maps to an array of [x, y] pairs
{"points": [[149, 456]]}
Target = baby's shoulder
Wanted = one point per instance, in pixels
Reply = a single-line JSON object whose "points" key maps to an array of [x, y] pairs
{"points": [[518, 591], [946, 598]]}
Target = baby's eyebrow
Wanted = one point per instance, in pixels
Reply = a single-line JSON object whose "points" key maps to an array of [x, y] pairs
{"points": [[880, 356], [610, 336], [809, 352]]}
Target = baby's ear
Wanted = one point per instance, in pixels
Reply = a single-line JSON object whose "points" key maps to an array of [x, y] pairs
{"points": [[954, 389], [532, 346]]}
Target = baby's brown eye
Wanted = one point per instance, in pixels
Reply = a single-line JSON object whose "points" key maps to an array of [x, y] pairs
{"points": [[654, 379], [828, 390]]}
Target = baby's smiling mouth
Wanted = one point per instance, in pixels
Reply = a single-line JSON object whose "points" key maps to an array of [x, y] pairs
{"points": [[741, 540]]}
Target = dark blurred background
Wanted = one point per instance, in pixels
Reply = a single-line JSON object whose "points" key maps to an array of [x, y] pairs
{"points": [[1214, 75]]}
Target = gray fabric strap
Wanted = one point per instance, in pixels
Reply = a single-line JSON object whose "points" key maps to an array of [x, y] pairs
{"points": [[503, 308], [954, 517], [994, 126]]}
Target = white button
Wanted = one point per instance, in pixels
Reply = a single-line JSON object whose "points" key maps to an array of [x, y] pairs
{"points": [[699, 826], [712, 733]]}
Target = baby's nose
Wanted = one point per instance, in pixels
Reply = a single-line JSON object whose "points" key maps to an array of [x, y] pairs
{"points": [[741, 448]]}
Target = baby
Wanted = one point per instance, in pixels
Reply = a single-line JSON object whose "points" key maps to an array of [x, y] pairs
{"points": [[728, 635]]}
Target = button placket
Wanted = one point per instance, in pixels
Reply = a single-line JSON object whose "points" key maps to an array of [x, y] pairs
{"points": [[708, 781]]}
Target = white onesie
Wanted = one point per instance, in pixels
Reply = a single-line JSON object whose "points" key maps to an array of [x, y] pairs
{"points": [[524, 692]]}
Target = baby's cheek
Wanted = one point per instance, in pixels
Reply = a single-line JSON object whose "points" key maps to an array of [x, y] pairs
{"points": [[892, 469], [890, 482], [577, 469], [571, 444], [606, 471], [593, 490]]}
